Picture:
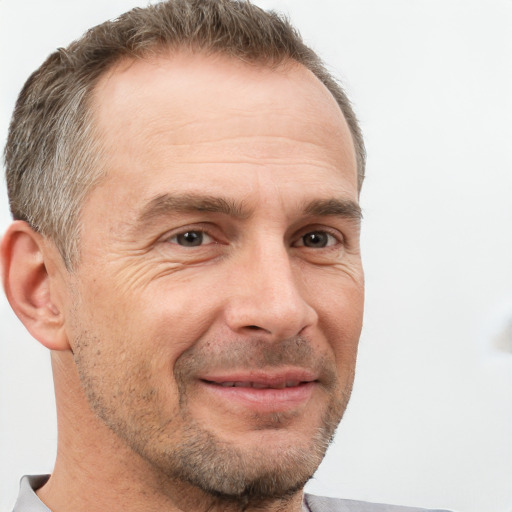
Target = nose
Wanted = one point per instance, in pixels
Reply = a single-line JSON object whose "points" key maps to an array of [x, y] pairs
{"points": [[267, 296]]}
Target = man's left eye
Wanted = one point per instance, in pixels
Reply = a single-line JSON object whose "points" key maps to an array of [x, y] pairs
{"points": [[192, 238], [317, 240]]}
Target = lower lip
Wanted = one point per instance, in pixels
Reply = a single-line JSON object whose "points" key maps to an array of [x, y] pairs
{"points": [[266, 399]]}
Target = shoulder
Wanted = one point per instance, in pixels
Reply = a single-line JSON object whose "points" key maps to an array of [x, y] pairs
{"points": [[322, 504]]}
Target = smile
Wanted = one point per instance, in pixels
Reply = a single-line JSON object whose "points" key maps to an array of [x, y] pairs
{"points": [[260, 391], [258, 385]]}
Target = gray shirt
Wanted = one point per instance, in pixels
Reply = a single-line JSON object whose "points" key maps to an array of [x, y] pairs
{"points": [[29, 502]]}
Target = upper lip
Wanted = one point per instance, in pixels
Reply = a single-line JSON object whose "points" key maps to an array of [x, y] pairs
{"points": [[262, 379]]}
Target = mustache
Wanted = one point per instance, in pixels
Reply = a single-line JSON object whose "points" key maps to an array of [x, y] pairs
{"points": [[254, 354]]}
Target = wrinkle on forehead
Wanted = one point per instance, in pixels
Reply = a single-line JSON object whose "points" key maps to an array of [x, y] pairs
{"points": [[194, 99]]}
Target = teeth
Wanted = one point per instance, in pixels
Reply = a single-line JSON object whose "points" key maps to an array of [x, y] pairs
{"points": [[242, 384], [258, 385], [292, 383], [227, 384]]}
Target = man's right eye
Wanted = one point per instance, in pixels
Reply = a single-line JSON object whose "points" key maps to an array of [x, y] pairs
{"points": [[192, 238]]}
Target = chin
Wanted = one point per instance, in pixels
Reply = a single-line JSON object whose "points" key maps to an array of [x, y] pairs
{"points": [[270, 464]]}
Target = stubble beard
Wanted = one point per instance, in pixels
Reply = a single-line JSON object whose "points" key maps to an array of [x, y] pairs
{"points": [[248, 476], [195, 455]]}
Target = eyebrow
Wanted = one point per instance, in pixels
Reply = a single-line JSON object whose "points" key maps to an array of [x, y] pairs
{"points": [[336, 207], [167, 204]]}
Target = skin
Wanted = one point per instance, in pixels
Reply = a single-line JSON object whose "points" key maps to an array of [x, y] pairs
{"points": [[153, 326]]}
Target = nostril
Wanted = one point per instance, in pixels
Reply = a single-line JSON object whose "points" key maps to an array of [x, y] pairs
{"points": [[253, 327]]}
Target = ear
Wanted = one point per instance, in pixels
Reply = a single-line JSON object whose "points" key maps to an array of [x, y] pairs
{"points": [[25, 256]]}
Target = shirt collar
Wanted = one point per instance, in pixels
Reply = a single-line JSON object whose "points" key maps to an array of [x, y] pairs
{"points": [[27, 499]]}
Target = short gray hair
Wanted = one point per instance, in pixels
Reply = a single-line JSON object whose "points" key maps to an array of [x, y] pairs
{"points": [[53, 158]]}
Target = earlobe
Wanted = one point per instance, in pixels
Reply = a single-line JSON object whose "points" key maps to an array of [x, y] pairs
{"points": [[28, 285]]}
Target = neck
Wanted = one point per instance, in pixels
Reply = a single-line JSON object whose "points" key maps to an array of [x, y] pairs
{"points": [[96, 471]]}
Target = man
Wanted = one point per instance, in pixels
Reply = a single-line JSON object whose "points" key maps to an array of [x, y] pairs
{"points": [[184, 183]]}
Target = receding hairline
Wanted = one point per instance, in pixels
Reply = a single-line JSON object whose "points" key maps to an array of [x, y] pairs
{"points": [[165, 54]]}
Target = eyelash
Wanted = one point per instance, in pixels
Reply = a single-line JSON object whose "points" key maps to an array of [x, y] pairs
{"points": [[300, 242], [189, 232], [337, 238]]}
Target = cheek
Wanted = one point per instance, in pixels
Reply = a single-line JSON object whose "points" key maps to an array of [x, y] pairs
{"points": [[176, 316], [123, 369], [340, 311]]}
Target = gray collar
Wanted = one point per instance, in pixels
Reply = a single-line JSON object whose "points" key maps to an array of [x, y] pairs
{"points": [[27, 499]]}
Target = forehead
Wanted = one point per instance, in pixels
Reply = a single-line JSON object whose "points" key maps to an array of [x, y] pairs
{"points": [[192, 115]]}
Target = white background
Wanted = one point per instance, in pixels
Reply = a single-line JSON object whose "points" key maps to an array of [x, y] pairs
{"points": [[430, 422]]}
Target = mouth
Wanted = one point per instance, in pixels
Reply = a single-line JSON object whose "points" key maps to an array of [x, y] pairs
{"points": [[261, 379], [257, 385], [262, 392]]}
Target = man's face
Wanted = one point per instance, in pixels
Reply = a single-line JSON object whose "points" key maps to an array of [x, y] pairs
{"points": [[218, 300]]}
